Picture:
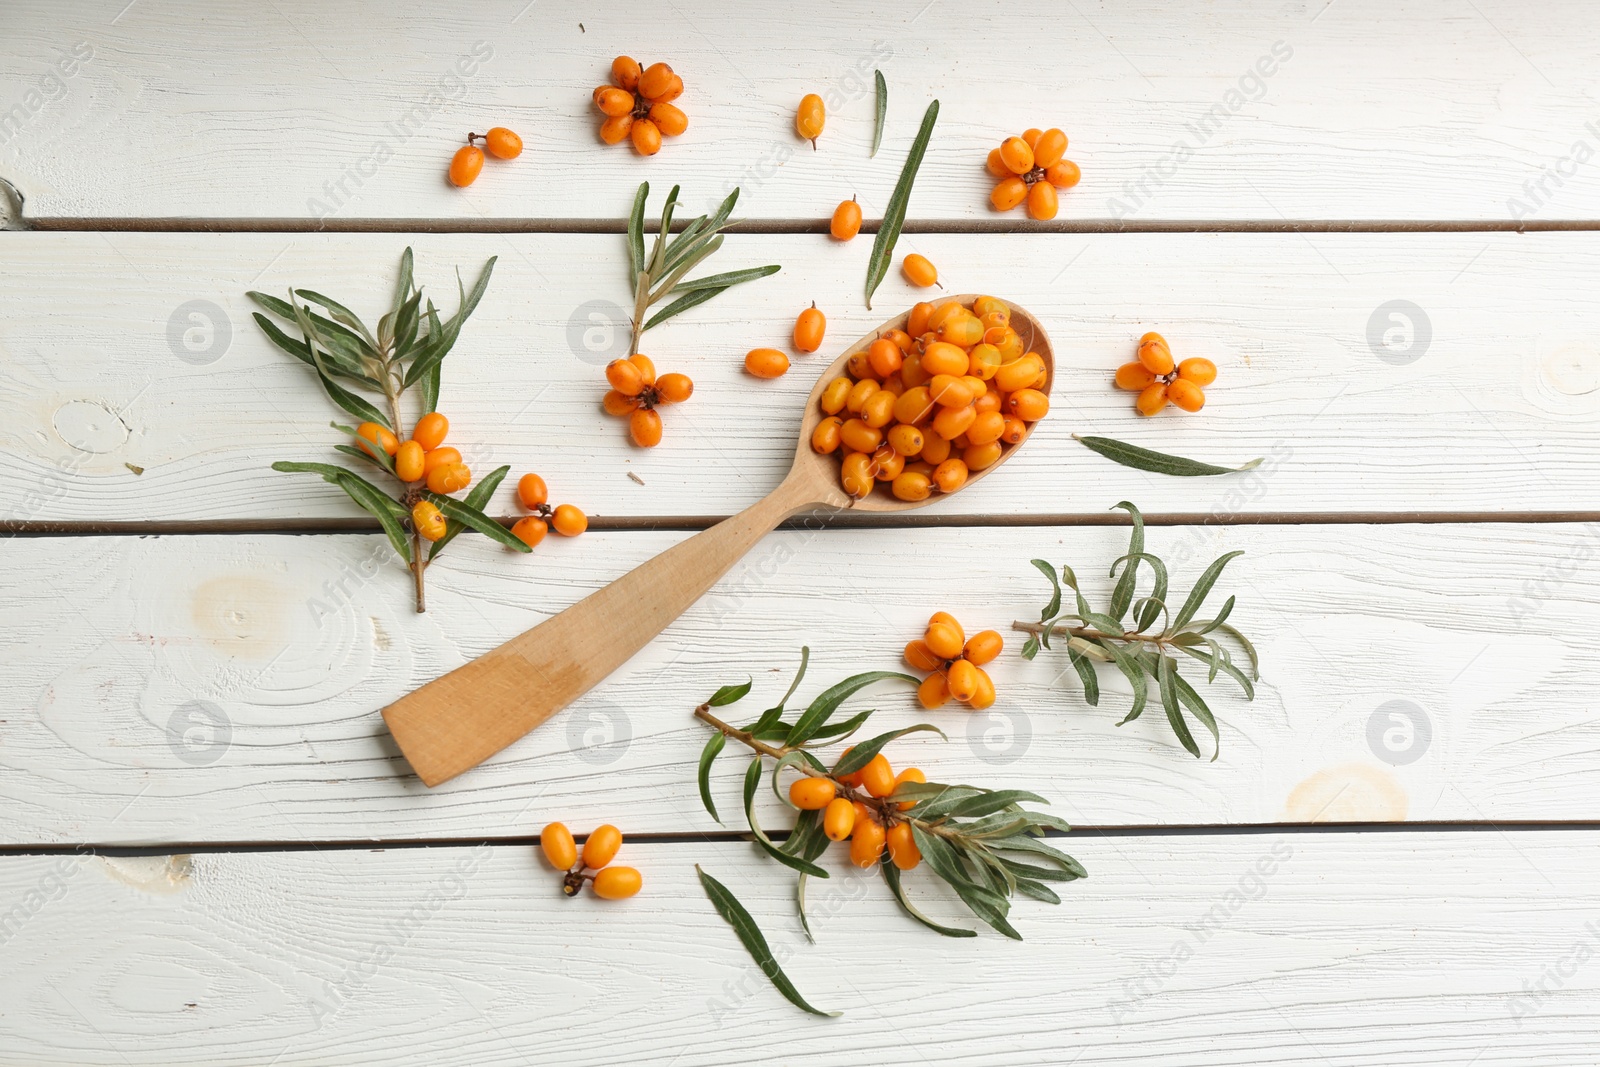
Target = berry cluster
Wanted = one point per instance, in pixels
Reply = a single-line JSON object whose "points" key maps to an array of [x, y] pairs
{"points": [[636, 392], [1031, 168], [956, 662], [1158, 380], [868, 827], [638, 104], [420, 460], [609, 883], [467, 163], [535, 496], [922, 408]]}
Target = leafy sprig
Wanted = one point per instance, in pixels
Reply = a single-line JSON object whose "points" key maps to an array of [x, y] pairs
{"points": [[663, 273], [1122, 635]]}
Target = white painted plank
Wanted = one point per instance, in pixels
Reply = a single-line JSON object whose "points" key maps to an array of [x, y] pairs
{"points": [[123, 655], [1494, 412], [1298, 949], [1238, 110]]}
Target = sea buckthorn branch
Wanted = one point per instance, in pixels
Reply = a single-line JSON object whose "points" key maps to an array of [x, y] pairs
{"points": [[982, 842], [671, 258], [1141, 654], [407, 352]]}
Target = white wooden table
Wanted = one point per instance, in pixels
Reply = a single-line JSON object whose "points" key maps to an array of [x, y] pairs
{"points": [[277, 888]]}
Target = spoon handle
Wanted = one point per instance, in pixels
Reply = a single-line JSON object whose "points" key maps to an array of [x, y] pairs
{"points": [[457, 721]]}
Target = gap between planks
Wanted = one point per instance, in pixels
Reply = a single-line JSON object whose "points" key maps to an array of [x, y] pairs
{"points": [[733, 836]]}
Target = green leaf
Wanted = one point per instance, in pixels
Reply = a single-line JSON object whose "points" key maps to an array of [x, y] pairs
{"points": [[673, 275], [984, 902], [730, 693], [1211, 624], [467, 515], [1202, 588], [838, 731], [341, 314], [477, 497], [431, 354], [1128, 664], [636, 234], [894, 216], [891, 875], [388, 511], [1086, 675], [300, 351], [723, 281], [1030, 647], [341, 396], [881, 112], [348, 350], [1197, 706], [402, 285], [680, 305], [986, 803], [659, 250], [1122, 594], [749, 934], [377, 455], [714, 746], [405, 325], [805, 660], [1036, 847], [788, 759], [1226, 666], [363, 455], [861, 755], [1249, 649], [1054, 607], [1165, 673], [1156, 462], [752, 781], [1037, 890], [828, 701]]}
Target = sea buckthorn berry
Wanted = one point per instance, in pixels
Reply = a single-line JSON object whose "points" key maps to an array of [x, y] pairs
{"points": [[615, 129], [859, 437], [996, 166], [983, 646], [1031, 135], [428, 520], [810, 117], [808, 329], [859, 367], [962, 330], [948, 391], [1199, 371], [894, 384], [944, 313], [530, 530], [1156, 357], [942, 357], [449, 477], [408, 462], [1010, 192], [646, 137], [885, 356], [625, 71], [430, 430], [988, 426], [906, 439], [935, 449], [1029, 405], [1152, 400], [889, 463], [984, 696], [825, 438], [439, 457], [948, 620], [983, 361], [1042, 202], [975, 385], [950, 475], [1016, 155], [860, 393], [1019, 373], [644, 426], [673, 90], [878, 411], [811, 794], [838, 819], [502, 143], [617, 883], [376, 435], [1135, 377], [655, 80], [877, 777], [856, 474], [555, 841], [933, 692], [902, 845], [863, 813], [953, 422], [917, 321], [674, 388], [647, 369], [944, 639], [466, 165], [909, 775], [988, 305], [835, 395], [866, 843], [919, 271], [911, 372], [962, 679], [920, 656], [911, 486], [615, 403], [1049, 148], [1009, 342], [668, 118], [1063, 175], [766, 363], [612, 100], [601, 846], [624, 377], [846, 221], [569, 521], [901, 339], [1015, 430], [1186, 395], [981, 457]]}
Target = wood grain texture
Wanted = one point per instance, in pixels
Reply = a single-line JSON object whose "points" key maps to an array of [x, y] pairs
{"points": [[1265, 950], [1239, 110], [1495, 414], [220, 689]]}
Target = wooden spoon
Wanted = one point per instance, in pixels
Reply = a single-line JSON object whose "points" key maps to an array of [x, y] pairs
{"points": [[457, 721]]}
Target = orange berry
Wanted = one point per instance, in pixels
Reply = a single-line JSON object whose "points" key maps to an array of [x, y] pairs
{"points": [[530, 530], [808, 329], [408, 462], [866, 843], [846, 221], [616, 128], [878, 411], [889, 463], [624, 377], [920, 656], [885, 356], [950, 423], [949, 620], [859, 437], [503, 143], [981, 457], [877, 777], [984, 697], [556, 842], [1049, 148], [962, 330], [644, 426], [988, 426], [449, 477], [906, 440], [917, 320], [430, 430], [373, 434], [825, 438], [860, 393], [466, 165], [646, 137], [935, 450], [948, 391], [1031, 135], [1063, 175], [1156, 357], [766, 363], [1199, 371], [1010, 192], [911, 486], [983, 646], [617, 883], [1015, 430], [1134, 377], [655, 80], [647, 369], [910, 774], [856, 474], [439, 457], [673, 90], [983, 361], [1029, 405], [835, 395], [1019, 373], [1186, 395], [1152, 400], [919, 271], [811, 794], [601, 847], [944, 313], [569, 521], [942, 357], [668, 118], [428, 520], [625, 72], [1016, 155], [933, 692], [950, 475], [902, 844], [674, 388], [839, 819], [613, 101], [810, 117], [1042, 202], [944, 640], [996, 165], [616, 403]]}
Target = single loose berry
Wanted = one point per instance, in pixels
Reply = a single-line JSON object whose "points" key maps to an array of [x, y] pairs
{"points": [[808, 329], [846, 221], [601, 847], [466, 165], [766, 363], [556, 842], [502, 143], [810, 118], [919, 271]]}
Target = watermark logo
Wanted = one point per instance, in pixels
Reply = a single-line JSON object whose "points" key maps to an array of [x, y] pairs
{"points": [[999, 737], [1399, 732], [1399, 332], [199, 733], [598, 332], [199, 332], [600, 733]]}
